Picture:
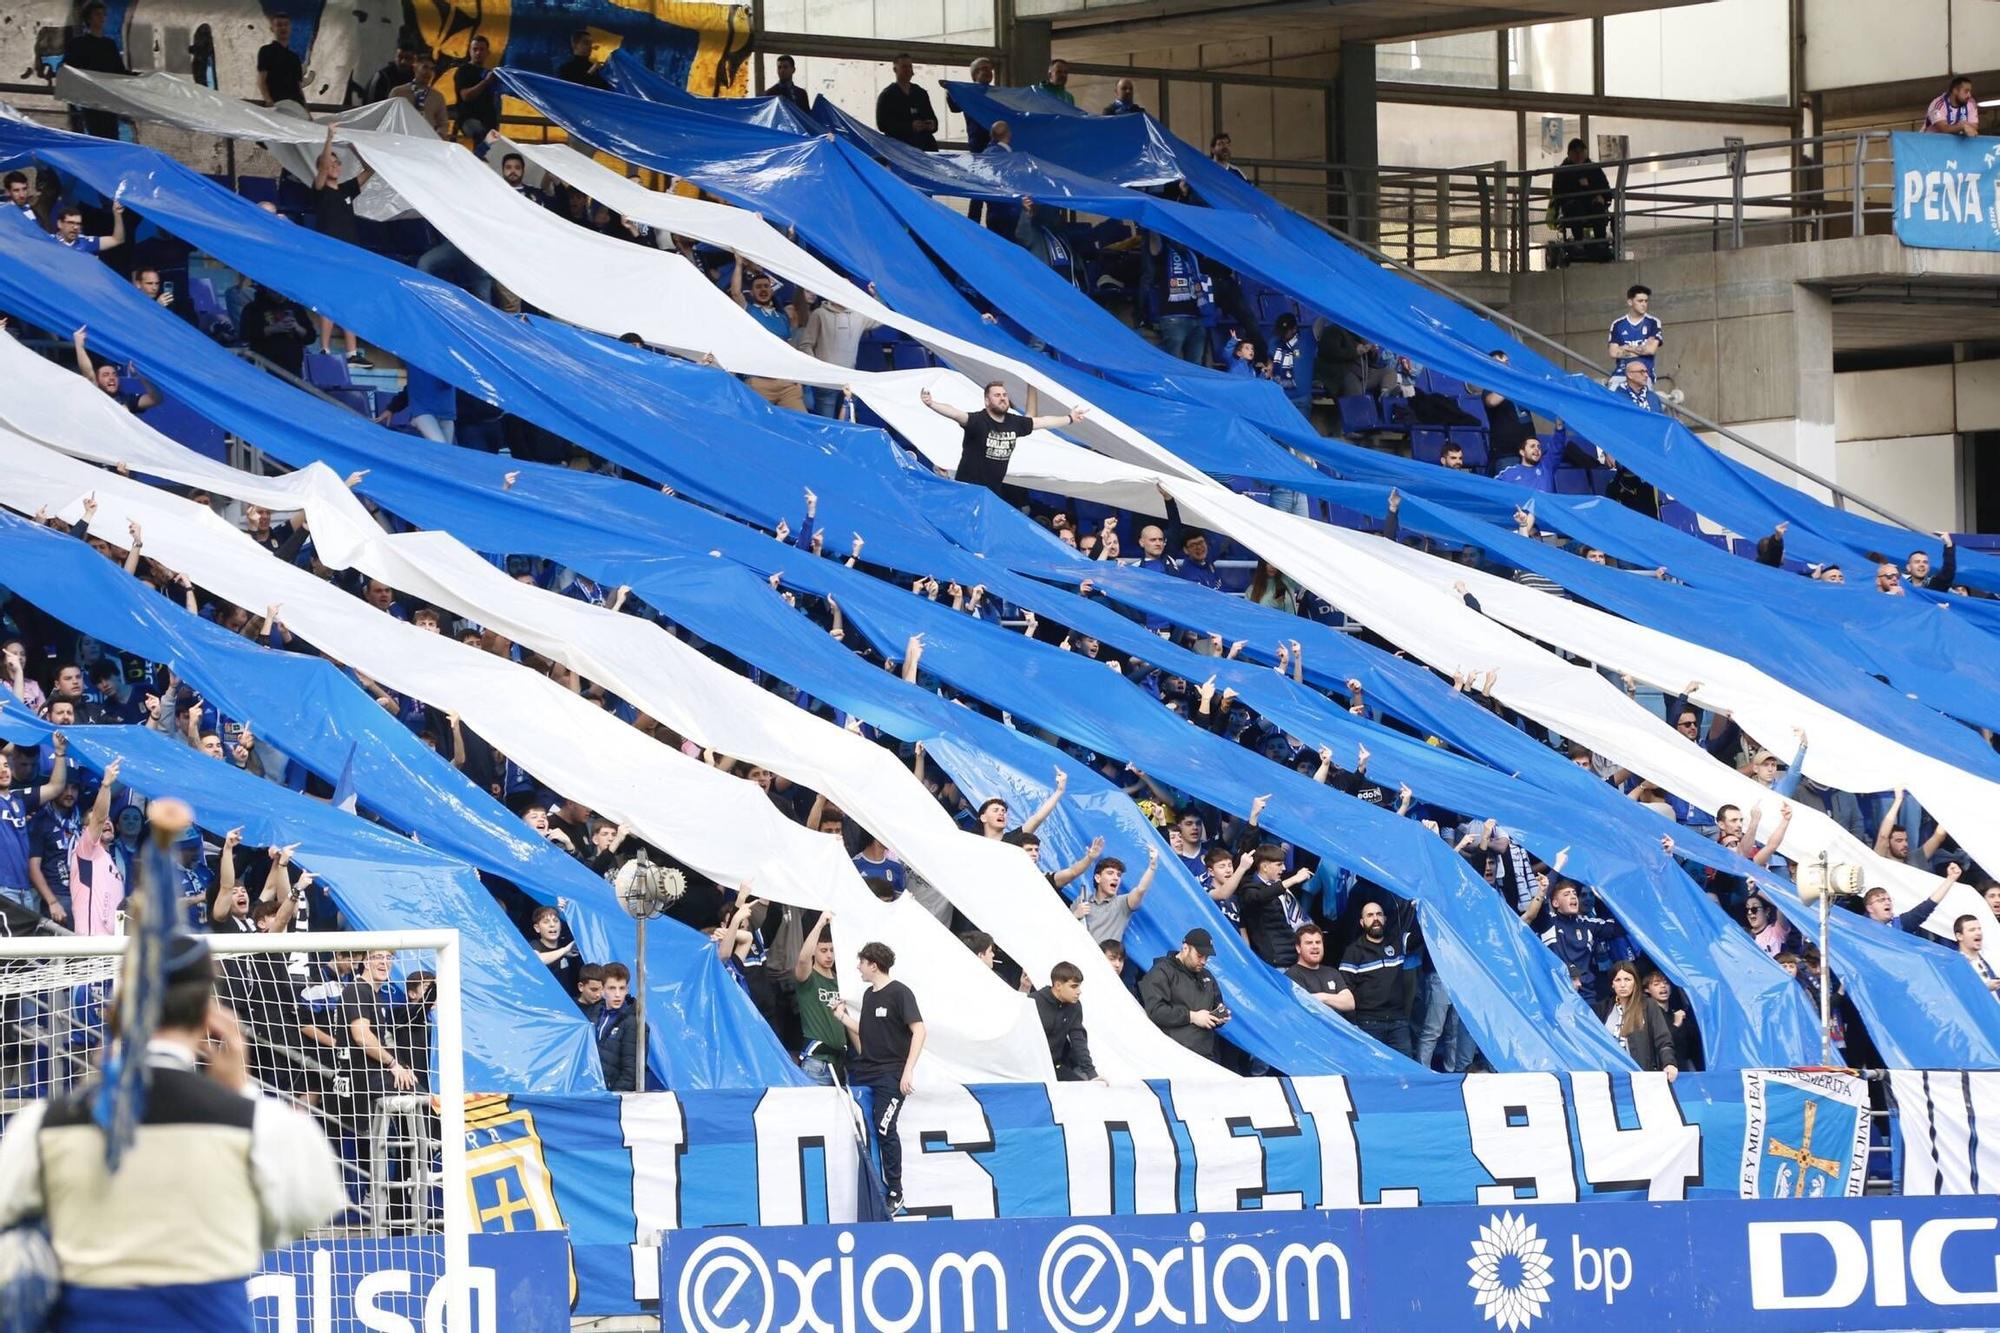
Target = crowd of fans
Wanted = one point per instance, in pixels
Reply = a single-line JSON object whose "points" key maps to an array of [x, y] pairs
{"points": [[1355, 948]]}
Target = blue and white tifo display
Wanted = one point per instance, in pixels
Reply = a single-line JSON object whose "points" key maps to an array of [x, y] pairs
{"points": [[516, 1284], [1813, 1265], [625, 1175]]}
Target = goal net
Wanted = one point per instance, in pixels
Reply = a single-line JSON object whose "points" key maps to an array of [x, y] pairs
{"points": [[323, 1015]]}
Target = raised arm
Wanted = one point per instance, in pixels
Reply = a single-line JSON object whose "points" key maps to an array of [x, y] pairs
{"points": [[83, 362], [1067, 875], [1069, 418], [945, 410], [1048, 807], [736, 281], [1888, 824], [59, 771], [1145, 884], [1788, 782], [1763, 854], [802, 966]]}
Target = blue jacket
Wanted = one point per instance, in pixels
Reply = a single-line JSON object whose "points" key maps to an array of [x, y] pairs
{"points": [[617, 1044]]}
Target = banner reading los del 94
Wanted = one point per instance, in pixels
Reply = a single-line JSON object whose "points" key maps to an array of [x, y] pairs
{"points": [[618, 1172]]}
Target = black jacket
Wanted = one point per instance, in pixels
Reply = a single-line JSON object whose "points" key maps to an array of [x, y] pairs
{"points": [[617, 1045], [1170, 991], [1263, 908], [1069, 1044], [1651, 1043]]}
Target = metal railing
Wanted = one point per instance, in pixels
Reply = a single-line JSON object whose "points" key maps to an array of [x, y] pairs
{"points": [[1488, 218]]}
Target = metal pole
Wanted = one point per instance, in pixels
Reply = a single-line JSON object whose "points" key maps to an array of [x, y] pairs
{"points": [[1856, 175], [1738, 160], [639, 1078]]}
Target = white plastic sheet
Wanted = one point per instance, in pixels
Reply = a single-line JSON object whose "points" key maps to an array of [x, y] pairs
{"points": [[721, 825], [1407, 596], [616, 287], [293, 141], [991, 882], [626, 287]]}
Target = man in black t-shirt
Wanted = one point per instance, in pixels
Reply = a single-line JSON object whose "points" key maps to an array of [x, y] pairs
{"points": [[367, 1014], [991, 434], [333, 213], [889, 1037], [1316, 976], [280, 75]]}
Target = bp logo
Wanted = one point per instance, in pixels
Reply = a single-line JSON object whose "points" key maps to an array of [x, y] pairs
{"points": [[1510, 1272]]}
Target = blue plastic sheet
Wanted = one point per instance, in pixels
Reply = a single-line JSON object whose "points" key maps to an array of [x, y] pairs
{"points": [[522, 1034], [1453, 339], [629, 75], [1916, 652], [580, 504], [1528, 1016]]}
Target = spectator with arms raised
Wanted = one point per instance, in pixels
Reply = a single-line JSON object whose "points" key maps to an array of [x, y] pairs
{"points": [[992, 433]]}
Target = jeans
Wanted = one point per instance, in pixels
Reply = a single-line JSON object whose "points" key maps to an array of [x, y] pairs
{"points": [[1290, 502], [1443, 1027], [886, 1103], [1181, 336], [818, 1070], [447, 261], [434, 430], [1391, 1032], [26, 897]]}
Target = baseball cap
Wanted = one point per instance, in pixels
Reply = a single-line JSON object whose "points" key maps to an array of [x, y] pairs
{"points": [[1201, 940]]}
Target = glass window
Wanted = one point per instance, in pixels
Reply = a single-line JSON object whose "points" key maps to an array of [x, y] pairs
{"points": [[1724, 51], [852, 85], [896, 20], [1550, 57], [1466, 60], [1417, 134]]}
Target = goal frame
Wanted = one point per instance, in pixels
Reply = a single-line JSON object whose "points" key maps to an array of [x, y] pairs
{"points": [[447, 1064]]}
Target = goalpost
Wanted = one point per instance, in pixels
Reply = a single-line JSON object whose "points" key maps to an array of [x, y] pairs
{"points": [[397, 1257]]}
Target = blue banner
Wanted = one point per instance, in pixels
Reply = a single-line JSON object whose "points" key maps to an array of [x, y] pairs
{"points": [[518, 1283], [621, 1173], [1947, 191], [1852, 1264]]}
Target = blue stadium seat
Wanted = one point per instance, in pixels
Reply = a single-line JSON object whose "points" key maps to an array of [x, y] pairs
{"points": [[1396, 410], [1573, 481], [1472, 439], [361, 400], [1427, 443], [178, 422], [326, 370], [1358, 414], [906, 355], [1677, 515]]}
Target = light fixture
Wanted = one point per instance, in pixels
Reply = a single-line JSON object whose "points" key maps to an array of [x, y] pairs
{"points": [[1819, 878], [645, 890]]}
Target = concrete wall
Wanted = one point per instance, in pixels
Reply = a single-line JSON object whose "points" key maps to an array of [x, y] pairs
{"points": [[1735, 342]]}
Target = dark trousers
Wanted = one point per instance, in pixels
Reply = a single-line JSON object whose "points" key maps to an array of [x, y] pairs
{"points": [[885, 1101], [1391, 1032]]}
